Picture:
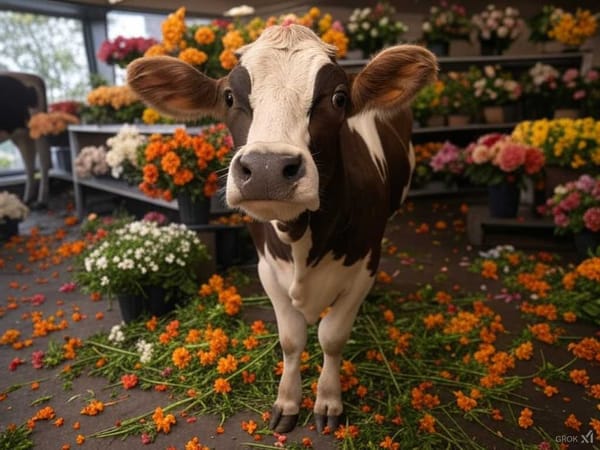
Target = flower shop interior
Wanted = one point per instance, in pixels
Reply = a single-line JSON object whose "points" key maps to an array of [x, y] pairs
{"points": [[131, 310]]}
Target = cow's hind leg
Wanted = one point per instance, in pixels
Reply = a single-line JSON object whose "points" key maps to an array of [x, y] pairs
{"points": [[334, 331], [292, 337]]}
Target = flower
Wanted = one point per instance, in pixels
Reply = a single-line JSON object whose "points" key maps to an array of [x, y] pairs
{"points": [[499, 26], [129, 380], [211, 47], [112, 104], [446, 22], [575, 206], [141, 254], [163, 422], [572, 29], [565, 142], [11, 207], [91, 161], [495, 158], [371, 29], [50, 123], [449, 159], [122, 155], [493, 87], [121, 51], [457, 95], [541, 23], [185, 164]]}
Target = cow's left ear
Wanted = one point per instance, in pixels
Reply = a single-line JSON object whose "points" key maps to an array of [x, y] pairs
{"points": [[393, 78]]}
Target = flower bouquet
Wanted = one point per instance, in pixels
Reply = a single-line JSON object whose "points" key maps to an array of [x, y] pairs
{"points": [[572, 30], [91, 161], [496, 158], [458, 94], [112, 104], [371, 29], [121, 51], [142, 257], [497, 28], [430, 103], [50, 123], [12, 211], [570, 92], [575, 206], [122, 155], [423, 173], [184, 164], [493, 87], [539, 86], [448, 162], [503, 164], [445, 22]]}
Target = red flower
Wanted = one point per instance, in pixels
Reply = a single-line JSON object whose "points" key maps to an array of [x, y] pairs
{"points": [[129, 380]]}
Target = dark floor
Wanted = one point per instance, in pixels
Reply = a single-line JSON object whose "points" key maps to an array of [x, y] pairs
{"points": [[432, 248]]}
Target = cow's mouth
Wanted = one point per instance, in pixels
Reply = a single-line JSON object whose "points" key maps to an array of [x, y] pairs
{"points": [[267, 210]]}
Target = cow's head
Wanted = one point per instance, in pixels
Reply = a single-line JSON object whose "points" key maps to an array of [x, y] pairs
{"points": [[284, 104]]}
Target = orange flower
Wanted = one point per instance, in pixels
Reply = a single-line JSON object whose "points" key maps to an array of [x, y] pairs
{"points": [[569, 317], [150, 173], [427, 423], [80, 439], [227, 365], [181, 357], [579, 376], [543, 332], [204, 36], [194, 444], [489, 269], [572, 422], [346, 432], [163, 423], [587, 348], [524, 351], [420, 399], [249, 427], [222, 386], [183, 176], [464, 402], [433, 320], [129, 381], [526, 418], [170, 163], [93, 408]]}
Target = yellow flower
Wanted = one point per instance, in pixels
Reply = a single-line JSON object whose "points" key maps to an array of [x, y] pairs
{"points": [[314, 12], [338, 39], [156, 50], [228, 59], [233, 40], [573, 30], [150, 116], [173, 29]]}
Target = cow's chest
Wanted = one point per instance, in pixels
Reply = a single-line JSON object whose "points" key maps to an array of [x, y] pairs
{"points": [[313, 288]]}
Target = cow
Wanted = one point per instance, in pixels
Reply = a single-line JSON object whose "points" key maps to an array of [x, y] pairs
{"points": [[23, 94], [320, 164]]}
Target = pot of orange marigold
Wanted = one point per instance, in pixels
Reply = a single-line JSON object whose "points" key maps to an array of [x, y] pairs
{"points": [[185, 167]]}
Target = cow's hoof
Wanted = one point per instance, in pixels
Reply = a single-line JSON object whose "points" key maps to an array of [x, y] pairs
{"points": [[281, 423], [331, 422]]}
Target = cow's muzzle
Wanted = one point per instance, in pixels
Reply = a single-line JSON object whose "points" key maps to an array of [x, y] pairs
{"points": [[267, 176]]}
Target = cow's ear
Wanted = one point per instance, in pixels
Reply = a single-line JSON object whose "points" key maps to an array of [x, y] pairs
{"points": [[393, 78], [175, 88]]}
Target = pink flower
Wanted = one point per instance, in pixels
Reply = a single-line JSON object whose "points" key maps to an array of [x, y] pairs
{"points": [[585, 183], [561, 220], [67, 287], [570, 75], [592, 75], [591, 219], [489, 139], [16, 362], [571, 201], [146, 439], [510, 157], [579, 94], [37, 359]]}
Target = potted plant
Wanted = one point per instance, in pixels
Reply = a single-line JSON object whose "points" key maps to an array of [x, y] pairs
{"points": [[501, 163], [91, 161], [429, 107], [449, 162], [498, 93], [572, 30], [539, 83], [570, 94], [121, 50], [371, 29], [575, 208], [497, 28], [186, 167], [446, 22], [122, 155], [459, 98], [12, 211], [146, 266], [112, 104]]}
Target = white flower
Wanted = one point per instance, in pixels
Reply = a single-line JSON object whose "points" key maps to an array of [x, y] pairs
{"points": [[145, 349], [11, 207], [116, 334], [489, 71], [365, 13], [365, 26], [426, 27], [502, 32], [374, 32], [104, 281]]}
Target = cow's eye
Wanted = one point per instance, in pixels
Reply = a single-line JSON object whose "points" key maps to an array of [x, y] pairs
{"points": [[229, 98], [339, 99]]}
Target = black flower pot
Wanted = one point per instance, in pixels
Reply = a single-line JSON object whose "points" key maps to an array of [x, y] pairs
{"points": [[8, 229], [131, 305], [586, 241], [193, 212], [153, 302], [504, 200]]}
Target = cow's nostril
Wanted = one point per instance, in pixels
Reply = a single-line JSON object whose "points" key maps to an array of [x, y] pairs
{"points": [[293, 168]]}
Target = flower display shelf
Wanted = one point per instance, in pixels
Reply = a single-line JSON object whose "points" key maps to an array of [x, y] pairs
{"points": [[526, 230]]}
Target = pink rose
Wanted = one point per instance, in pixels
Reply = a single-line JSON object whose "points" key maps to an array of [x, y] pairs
{"points": [[481, 154], [571, 201], [561, 220]]}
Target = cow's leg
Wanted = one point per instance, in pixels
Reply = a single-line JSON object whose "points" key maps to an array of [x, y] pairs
{"points": [[334, 331], [292, 338], [26, 146], [43, 151]]}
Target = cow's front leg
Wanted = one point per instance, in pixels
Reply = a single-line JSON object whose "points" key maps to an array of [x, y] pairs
{"points": [[292, 338], [334, 331]]}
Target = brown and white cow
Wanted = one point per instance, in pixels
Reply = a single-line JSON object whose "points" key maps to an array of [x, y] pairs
{"points": [[321, 164]]}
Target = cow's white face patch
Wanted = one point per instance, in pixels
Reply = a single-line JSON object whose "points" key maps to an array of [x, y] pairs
{"points": [[282, 70]]}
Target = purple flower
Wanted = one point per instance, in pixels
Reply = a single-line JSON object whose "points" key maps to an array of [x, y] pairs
{"points": [[585, 183]]}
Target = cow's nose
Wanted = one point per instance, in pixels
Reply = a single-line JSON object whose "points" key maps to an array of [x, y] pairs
{"points": [[267, 175]]}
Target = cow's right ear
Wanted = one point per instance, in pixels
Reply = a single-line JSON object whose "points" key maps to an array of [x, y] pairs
{"points": [[175, 88]]}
